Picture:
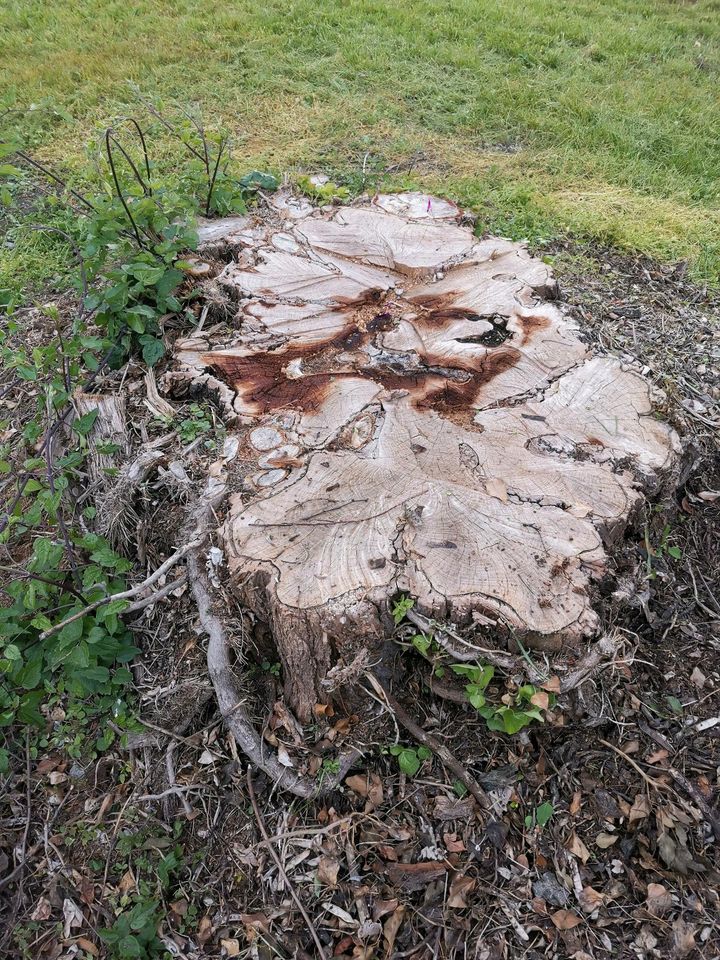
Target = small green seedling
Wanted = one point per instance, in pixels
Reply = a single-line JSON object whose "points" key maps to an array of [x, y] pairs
{"points": [[401, 608], [540, 816], [410, 759]]}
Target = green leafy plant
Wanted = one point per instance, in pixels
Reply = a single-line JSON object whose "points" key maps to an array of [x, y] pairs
{"points": [[410, 759], [326, 191], [133, 935], [401, 608], [540, 816]]}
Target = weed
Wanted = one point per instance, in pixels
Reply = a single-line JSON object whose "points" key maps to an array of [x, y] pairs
{"points": [[540, 816], [410, 759]]}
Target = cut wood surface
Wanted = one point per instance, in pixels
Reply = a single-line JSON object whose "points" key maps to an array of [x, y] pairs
{"points": [[415, 415]]}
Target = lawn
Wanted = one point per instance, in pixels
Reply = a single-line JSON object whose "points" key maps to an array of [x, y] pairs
{"points": [[597, 118]]}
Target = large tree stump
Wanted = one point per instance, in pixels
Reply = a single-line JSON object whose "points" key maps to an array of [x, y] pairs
{"points": [[415, 416]]}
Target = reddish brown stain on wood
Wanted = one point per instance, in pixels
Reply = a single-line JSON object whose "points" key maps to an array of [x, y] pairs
{"points": [[272, 381]]}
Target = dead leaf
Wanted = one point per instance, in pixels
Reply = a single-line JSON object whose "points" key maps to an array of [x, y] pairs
{"points": [[283, 756], [368, 786], [127, 883], [254, 923], [659, 900], [43, 910], [640, 808], [575, 804], [327, 871], [605, 840], [324, 710], [565, 919], [590, 899], [577, 848], [391, 927], [205, 929], [73, 917], [460, 888], [552, 685], [495, 487], [415, 876], [683, 939], [450, 808], [697, 677], [658, 756], [452, 844], [540, 699], [231, 947], [88, 946], [382, 908]]}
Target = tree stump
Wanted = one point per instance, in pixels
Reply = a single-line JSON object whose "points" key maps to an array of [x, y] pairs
{"points": [[414, 416]]}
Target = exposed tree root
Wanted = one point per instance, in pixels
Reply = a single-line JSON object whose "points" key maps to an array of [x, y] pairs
{"points": [[229, 697]]}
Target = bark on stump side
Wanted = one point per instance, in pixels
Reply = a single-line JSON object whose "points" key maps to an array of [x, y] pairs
{"points": [[414, 415]]}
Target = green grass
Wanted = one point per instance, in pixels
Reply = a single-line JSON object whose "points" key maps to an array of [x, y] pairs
{"points": [[601, 118]]}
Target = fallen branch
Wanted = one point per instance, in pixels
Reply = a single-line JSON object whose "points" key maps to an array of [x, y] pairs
{"points": [[429, 741], [124, 594]]}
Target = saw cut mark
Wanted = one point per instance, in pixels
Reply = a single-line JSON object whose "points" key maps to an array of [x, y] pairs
{"points": [[415, 415]]}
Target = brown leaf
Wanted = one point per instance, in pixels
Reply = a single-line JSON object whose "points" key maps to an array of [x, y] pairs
{"points": [[683, 939], [590, 899], [127, 883], [450, 808], [577, 848], [460, 888], [382, 908], [231, 947], [658, 756], [575, 804], [659, 900], [640, 808], [495, 487], [452, 844], [205, 929], [88, 946], [415, 876], [368, 786], [324, 710], [327, 871], [540, 699], [552, 685], [391, 927], [605, 840], [565, 919], [43, 910]]}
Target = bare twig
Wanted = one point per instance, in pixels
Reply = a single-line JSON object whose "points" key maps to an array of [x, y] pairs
{"points": [[124, 594], [278, 864], [429, 741]]}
